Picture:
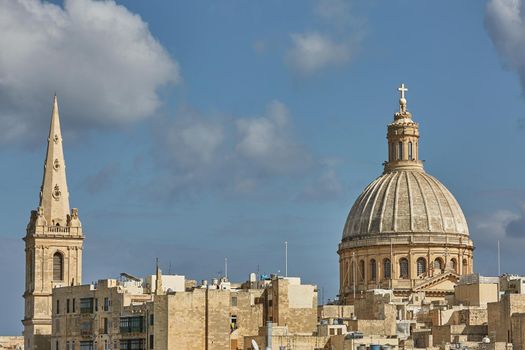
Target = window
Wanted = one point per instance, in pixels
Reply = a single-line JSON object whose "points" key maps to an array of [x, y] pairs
{"points": [[362, 270], [67, 306], [234, 301], [86, 345], [106, 304], [56, 345], [151, 341], [67, 345], [465, 265], [400, 153], [421, 266], [454, 265], [58, 267], [387, 269], [132, 344], [74, 305], [86, 328], [438, 264], [96, 304], [373, 270], [131, 324], [105, 325], [403, 268], [233, 323], [106, 345], [73, 345], [151, 320], [86, 305], [58, 306], [410, 151], [30, 266], [392, 151]]}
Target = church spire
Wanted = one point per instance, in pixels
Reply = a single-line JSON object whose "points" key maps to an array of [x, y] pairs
{"points": [[403, 139], [54, 196]]}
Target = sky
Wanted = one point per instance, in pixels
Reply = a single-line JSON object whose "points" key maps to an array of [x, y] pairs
{"points": [[196, 131]]}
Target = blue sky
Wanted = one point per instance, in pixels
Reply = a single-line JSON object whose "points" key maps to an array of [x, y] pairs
{"points": [[199, 130]]}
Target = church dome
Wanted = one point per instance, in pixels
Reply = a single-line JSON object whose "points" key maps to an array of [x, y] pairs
{"points": [[405, 202], [405, 199]]}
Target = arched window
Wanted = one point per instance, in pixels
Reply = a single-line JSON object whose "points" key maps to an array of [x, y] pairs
{"points": [[392, 151], [387, 269], [465, 266], [400, 153], [362, 270], [438, 264], [58, 267], [373, 270], [403, 268], [30, 266], [454, 265], [410, 151], [421, 266]]}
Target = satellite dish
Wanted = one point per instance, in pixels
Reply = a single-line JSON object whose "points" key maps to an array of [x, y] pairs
{"points": [[254, 345]]}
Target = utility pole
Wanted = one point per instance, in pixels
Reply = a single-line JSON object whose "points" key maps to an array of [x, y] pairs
{"points": [[286, 258], [499, 261]]}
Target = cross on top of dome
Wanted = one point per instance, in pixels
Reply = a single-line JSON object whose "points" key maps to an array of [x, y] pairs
{"points": [[402, 101]]}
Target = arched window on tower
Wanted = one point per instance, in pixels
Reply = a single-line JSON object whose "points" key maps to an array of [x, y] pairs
{"points": [[362, 270], [410, 155], [465, 266], [58, 267], [392, 151], [373, 270], [387, 269], [400, 151], [421, 266], [403, 268], [30, 266]]}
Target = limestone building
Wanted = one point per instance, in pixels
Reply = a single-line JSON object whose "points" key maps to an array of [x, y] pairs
{"points": [[405, 231], [130, 314], [53, 243]]}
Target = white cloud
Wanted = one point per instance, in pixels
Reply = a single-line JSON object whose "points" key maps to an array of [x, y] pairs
{"points": [[333, 11], [505, 23], [194, 143], [267, 143], [313, 51], [327, 186], [203, 151], [100, 58]]}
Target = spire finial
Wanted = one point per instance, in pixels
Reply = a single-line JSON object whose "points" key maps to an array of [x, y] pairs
{"points": [[402, 101]]}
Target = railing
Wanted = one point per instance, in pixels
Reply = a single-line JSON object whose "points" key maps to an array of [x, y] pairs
{"points": [[59, 230], [424, 238]]}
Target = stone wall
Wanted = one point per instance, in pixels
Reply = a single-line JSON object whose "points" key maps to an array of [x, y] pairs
{"points": [[11, 342]]}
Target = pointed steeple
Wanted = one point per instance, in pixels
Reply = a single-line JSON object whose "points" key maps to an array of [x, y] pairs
{"points": [[54, 196]]}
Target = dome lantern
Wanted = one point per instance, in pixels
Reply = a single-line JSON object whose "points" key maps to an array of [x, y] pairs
{"points": [[403, 139]]}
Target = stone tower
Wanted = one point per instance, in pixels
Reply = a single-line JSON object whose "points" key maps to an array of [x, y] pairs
{"points": [[53, 244]]}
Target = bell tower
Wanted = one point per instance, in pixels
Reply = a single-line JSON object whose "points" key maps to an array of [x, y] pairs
{"points": [[53, 244]]}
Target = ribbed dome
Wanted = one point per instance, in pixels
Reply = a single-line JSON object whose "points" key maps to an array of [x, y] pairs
{"points": [[405, 201]]}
